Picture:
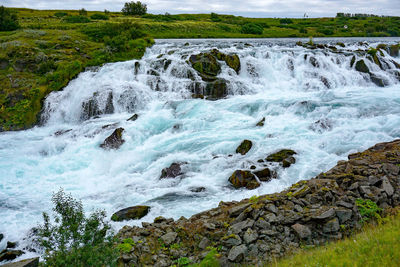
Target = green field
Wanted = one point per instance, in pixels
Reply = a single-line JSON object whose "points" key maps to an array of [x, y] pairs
{"points": [[53, 46]]}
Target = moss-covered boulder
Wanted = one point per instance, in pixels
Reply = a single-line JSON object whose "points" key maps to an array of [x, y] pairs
{"points": [[265, 175], [233, 62], [206, 65], [131, 213], [281, 155], [361, 66], [91, 107], [241, 178], [244, 147], [394, 50], [114, 141], [216, 90]]}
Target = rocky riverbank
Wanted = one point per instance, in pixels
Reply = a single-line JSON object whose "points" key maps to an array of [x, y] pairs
{"points": [[257, 230]]}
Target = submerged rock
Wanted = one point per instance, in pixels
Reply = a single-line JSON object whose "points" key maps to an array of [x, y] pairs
{"points": [[265, 175], [261, 122], [133, 118], [131, 213], [172, 171], [91, 107], [8, 255], [241, 178], [280, 155], [244, 147], [361, 66], [114, 141]]}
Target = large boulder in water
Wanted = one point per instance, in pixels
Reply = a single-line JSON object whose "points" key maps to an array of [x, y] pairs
{"points": [[206, 65], [265, 175], [91, 107], [244, 147], [131, 213], [114, 141], [284, 156], [361, 66], [232, 61], [172, 171], [32, 262], [394, 50], [216, 90], [241, 178], [9, 255]]}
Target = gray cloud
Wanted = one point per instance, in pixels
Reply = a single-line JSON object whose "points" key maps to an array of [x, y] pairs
{"points": [[252, 8]]}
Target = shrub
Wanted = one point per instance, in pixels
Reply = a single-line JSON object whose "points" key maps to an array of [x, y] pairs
{"points": [[368, 209], [134, 8], [60, 14], [285, 21], [82, 12], [214, 17], [76, 19], [251, 28], [99, 16], [8, 20], [74, 239]]}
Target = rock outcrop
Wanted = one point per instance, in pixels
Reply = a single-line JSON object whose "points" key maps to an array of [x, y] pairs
{"points": [[33, 262], [172, 171], [244, 147], [114, 141], [131, 213], [256, 230]]}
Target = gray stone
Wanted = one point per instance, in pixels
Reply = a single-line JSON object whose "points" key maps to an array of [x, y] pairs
{"points": [[365, 190], [301, 230], [298, 208], [238, 227], [262, 224], [343, 214], [237, 253], [331, 226], [271, 208], [205, 242], [270, 217], [387, 187], [33, 262], [390, 169], [169, 238], [373, 180], [344, 204], [325, 215], [353, 186], [250, 236], [232, 240]]}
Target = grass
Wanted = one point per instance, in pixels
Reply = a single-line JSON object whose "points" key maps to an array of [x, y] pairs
{"points": [[376, 245]]}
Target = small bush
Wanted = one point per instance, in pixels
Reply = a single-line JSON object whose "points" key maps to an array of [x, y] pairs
{"points": [[134, 8], [74, 239], [285, 21], [76, 19], [99, 16], [8, 20], [82, 12], [251, 28], [214, 17], [60, 14], [368, 209]]}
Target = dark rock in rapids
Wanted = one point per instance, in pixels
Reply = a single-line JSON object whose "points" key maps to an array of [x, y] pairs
{"points": [[172, 171], [114, 141], [131, 213], [244, 147], [133, 118], [241, 178]]}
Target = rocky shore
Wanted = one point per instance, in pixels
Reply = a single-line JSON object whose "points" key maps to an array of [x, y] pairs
{"points": [[257, 230]]}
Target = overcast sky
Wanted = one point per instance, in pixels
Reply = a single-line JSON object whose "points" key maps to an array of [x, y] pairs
{"points": [[250, 8]]}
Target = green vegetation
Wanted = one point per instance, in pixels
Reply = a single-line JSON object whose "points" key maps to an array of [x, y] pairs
{"points": [[374, 246], [99, 16], [8, 20], [368, 209], [126, 245], [50, 49], [134, 8], [74, 239], [251, 28]]}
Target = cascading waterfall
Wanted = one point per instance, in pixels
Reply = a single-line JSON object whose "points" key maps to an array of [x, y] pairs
{"points": [[313, 100]]}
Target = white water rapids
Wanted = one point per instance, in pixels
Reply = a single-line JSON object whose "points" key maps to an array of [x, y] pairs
{"points": [[324, 113]]}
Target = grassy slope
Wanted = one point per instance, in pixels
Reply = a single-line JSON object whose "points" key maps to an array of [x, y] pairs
{"points": [[374, 246]]}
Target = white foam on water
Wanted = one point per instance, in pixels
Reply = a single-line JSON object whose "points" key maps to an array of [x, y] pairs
{"points": [[275, 82]]}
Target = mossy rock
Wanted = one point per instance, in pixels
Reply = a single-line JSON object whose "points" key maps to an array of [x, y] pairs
{"points": [[131, 213], [233, 62], [394, 50], [361, 66], [216, 90], [244, 147], [241, 178], [265, 175], [206, 65], [281, 155]]}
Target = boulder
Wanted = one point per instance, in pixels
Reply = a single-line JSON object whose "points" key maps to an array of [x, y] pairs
{"points": [[361, 66], [244, 147], [91, 108], [237, 253], [9, 255], [131, 213], [331, 226], [216, 90], [241, 178], [174, 170], [206, 65], [264, 175], [33, 262], [169, 238], [394, 50], [233, 62], [11, 244], [1, 237], [114, 141], [280, 155]]}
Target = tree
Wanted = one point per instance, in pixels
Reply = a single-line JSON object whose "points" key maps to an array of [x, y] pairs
{"points": [[82, 12], [134, 8], [8, 20], [74, 239]]}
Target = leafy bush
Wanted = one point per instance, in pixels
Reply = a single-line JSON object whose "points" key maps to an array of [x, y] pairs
{"points": [[8, 20], [252, 28], [368, 209], [285, 21], [99, 16], [76, 19], [60, 14], [74, 239], [325, 31], [214, 17], [134, 8]]}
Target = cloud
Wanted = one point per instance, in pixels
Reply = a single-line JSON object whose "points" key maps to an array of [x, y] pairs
{"points": [[256, 8]]}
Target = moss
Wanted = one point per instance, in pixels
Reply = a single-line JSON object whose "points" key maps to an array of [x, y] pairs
{"points": [[280, 155], [361, 66]]}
